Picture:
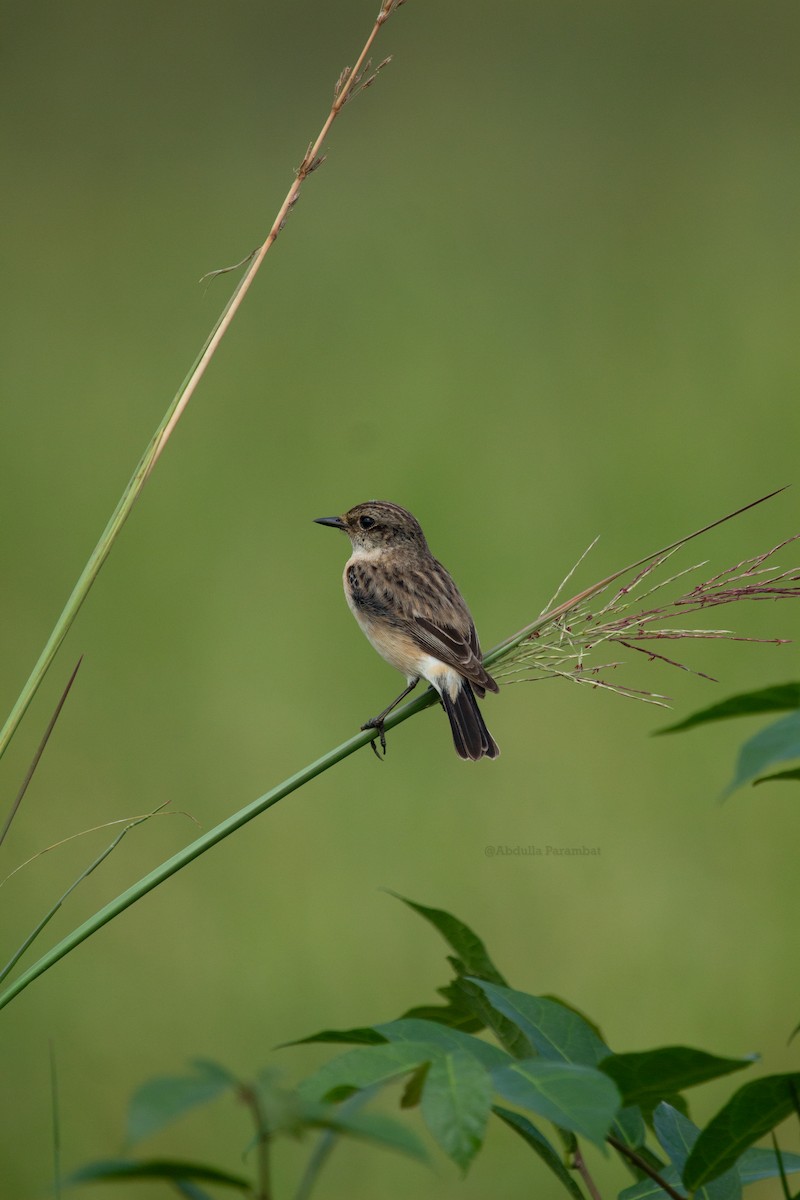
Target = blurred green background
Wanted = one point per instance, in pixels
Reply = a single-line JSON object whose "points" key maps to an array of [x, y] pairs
{"points": [[544, 287]]}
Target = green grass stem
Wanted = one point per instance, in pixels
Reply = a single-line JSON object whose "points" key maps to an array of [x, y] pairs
{"points": [[202, 844], [351, 82], [231, 824], [111, 532]]}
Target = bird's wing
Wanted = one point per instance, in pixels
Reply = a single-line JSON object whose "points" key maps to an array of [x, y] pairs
{"points": [[424, 604], [433, 613], [449, 644]]}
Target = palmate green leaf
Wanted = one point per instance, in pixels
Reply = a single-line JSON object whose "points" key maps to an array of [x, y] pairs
{"points": [[648, 1189], [364, 1067], [468, 946], [509, 1035], [471, 958], [348, 1037], [780, 698], [162, 1100], [752, 1167], [445, 1040], [652, 1075], [540, 1144], [456, 1100], [629, 1126], [118, 1169], [190, 1191], [412, 1092], [595, 1028], [282, 1109], [777, 743], [750, 1113], [372, 1127], [453, 1015], [556, 1032], [793, 774], [580, 1099], [677, 1135], [758, 1163], [347, 1119], [561, 1034]]}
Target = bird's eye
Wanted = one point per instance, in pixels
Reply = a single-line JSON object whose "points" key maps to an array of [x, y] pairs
{"points": [[366, 522]]}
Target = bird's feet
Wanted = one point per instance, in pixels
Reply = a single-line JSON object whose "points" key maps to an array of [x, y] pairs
{"points": [[377, 723]]}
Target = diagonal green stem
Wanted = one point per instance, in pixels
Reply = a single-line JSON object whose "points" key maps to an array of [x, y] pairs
{"points": [[32, 936], [107, 538], [205, 842], [231, 824], [349, 84], [39, 752]]}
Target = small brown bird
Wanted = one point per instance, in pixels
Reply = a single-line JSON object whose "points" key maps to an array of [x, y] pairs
{"points": [[414, 615]]}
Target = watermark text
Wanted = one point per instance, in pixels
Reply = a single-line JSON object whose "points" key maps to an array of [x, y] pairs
{"points": [[507, 850]]}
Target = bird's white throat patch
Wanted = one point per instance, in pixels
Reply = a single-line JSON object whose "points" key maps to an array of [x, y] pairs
{"points": [[362, 554]]}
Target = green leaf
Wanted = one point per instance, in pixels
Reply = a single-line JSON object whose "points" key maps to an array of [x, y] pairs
{"points": [[573, 1097], [444, 1040], [674, 1099], [760, 1163], [453, 1015], [113, 1169], [794, 773], [412, 1092], [540, 1144], [468, 946], [629, 1126], [779, 698], [556, 1032], [648, 1189], [351, 1037], [560, 1033], [677, 1135], [190, 1191], [456, 1101], [365, 1066], [777, 743], [749, 1114], [213, 1070], [509, 1035], [283, 1110], [578, 1013], [653, 1074], [160, 1101], [376, 1128]]}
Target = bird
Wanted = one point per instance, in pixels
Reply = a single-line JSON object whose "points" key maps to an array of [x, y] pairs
{"points": [[414, 615]]}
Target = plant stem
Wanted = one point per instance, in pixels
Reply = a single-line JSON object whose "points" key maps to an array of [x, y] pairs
{"points": [[184, 394], [32, 936], [56, 1124], [582, 1169], [205, 842], [231, 824], [249, 1097], [644, 1166], [39, 752]]}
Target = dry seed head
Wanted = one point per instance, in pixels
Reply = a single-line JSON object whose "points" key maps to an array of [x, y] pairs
{"points": [[340, 82], [562, 646]]}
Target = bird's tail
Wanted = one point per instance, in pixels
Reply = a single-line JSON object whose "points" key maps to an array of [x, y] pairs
{"points": [[470, 735]]}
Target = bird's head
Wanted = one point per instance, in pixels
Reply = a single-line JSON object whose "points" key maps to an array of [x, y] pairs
{"points": [[379, 525]]}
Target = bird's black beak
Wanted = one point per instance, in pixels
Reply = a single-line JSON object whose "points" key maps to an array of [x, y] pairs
{"points": [[336, 522]]}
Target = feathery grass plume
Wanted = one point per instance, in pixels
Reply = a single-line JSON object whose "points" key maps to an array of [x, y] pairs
{"points": [[566, 641]]}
